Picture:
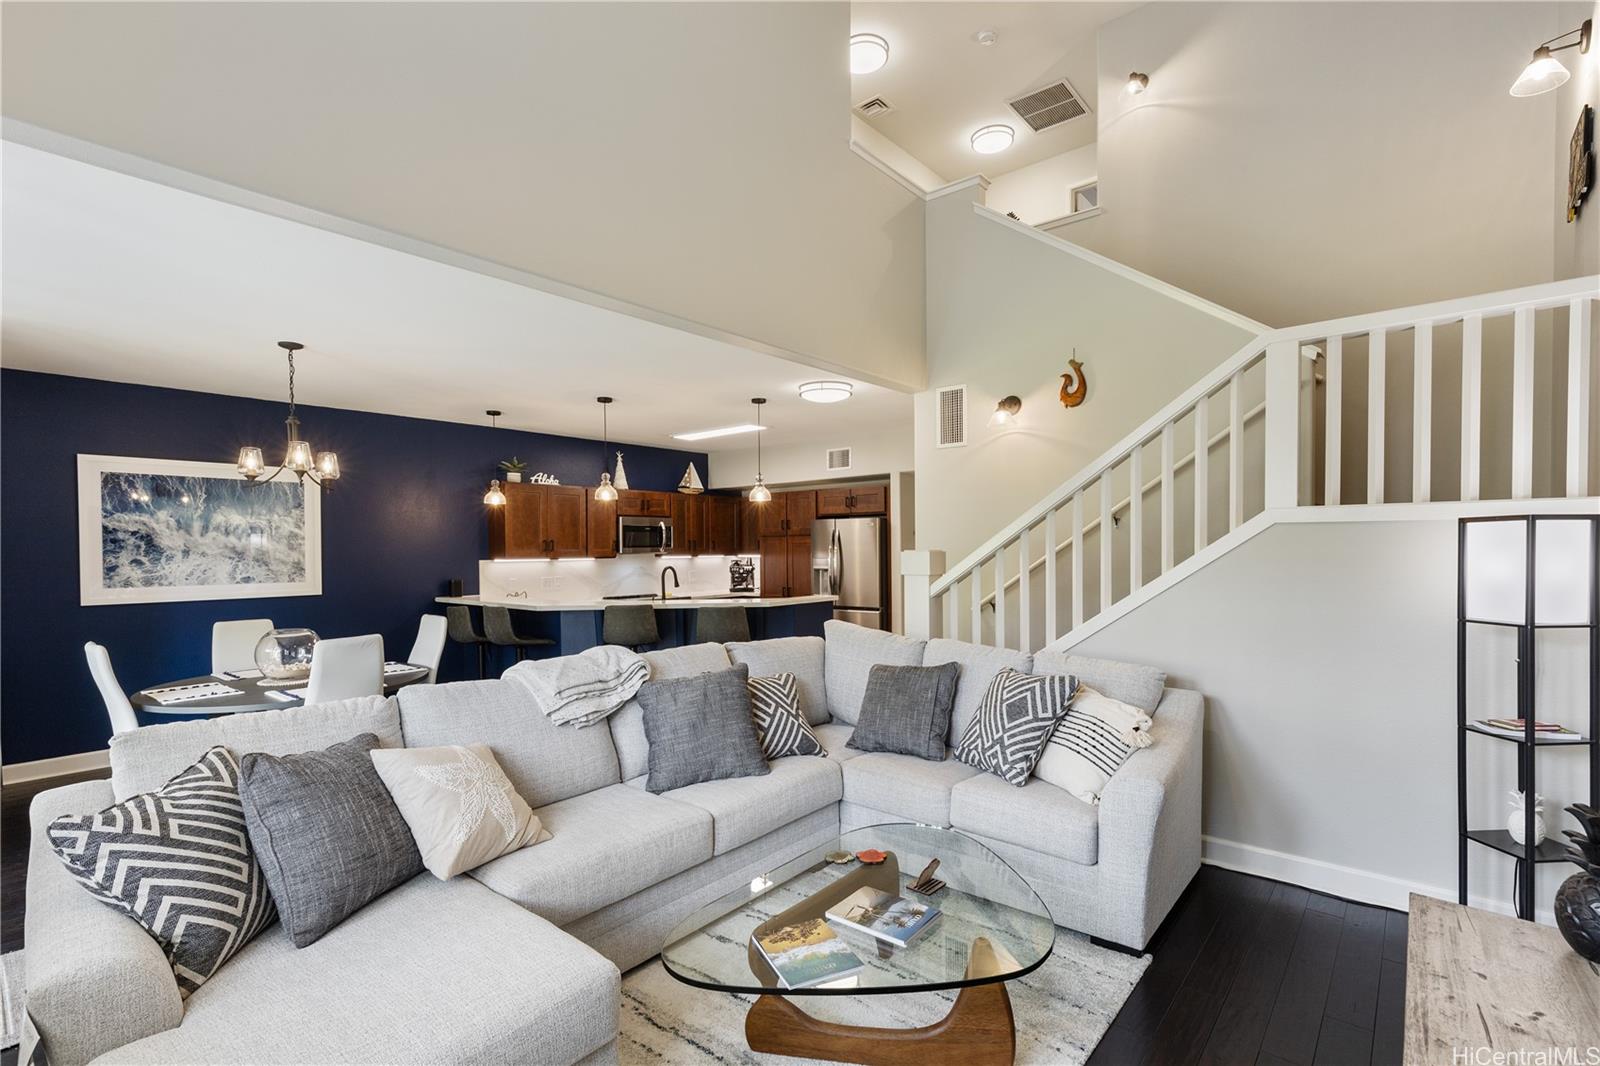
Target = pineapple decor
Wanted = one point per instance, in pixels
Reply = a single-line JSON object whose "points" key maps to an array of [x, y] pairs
{"points": [[1577, 902]]}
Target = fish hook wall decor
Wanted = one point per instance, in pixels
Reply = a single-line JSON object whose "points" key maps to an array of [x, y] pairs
{"points": [[1074, 386]]}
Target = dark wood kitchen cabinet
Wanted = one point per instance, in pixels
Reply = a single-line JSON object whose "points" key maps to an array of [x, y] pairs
{"points": [[786, 565], [720, 525], [852, 501], [637, 504], [602, 529], [540, 520], [788, 514]]}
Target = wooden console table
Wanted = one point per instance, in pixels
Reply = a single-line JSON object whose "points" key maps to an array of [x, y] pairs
{"points": [[1481, 980]]}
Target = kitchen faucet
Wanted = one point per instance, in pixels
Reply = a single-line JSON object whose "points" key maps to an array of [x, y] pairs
{"points": [[669, 569]]}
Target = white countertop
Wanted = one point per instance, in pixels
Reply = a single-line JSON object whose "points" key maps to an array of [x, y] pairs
{"points": [[676, 603]]}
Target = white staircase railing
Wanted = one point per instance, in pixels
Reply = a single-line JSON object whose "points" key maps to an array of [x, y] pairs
{"points": [[1254, 436]]}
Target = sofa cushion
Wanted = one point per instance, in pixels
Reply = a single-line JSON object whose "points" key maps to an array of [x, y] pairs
{"points": [[835, 737], [745, 808], [543, 761], [147, 758], [978, 667], [1038, 816], [1128, 682], [700, 729], [906, 710], [627, 725], [605, 846], [434, 971], [905, 786], [852, 652], [800, 656]]}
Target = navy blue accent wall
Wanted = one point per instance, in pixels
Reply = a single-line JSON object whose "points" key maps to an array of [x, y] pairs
{"points": [[405, 518]]}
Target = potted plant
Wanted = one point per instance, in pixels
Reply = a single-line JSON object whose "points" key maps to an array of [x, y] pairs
{"points": [[513, 468]]}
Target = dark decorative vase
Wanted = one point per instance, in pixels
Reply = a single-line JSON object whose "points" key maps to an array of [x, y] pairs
{"points": [[1577, 902]]}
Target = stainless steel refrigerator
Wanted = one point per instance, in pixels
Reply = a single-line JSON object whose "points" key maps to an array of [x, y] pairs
{"points": [[848, 561]]}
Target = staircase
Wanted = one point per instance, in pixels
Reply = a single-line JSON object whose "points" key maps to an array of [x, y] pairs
{"points": [[1283, 433]]}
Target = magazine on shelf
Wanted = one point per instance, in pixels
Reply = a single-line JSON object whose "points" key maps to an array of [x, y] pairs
{"points": [[888, 917], [808, 954], [1515, 727]]}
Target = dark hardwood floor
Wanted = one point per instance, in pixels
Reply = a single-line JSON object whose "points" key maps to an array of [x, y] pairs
{"points": [[1252, 971], [1245, 971]]}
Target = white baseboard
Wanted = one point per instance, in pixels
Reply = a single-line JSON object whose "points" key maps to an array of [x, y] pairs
{"points": [[18, 772], [1346, 882]]}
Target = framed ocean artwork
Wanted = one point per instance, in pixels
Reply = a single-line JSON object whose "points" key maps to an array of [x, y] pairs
{"points": [[165, 530]]}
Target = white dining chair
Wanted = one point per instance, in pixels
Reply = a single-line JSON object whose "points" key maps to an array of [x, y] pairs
{"points": [[432, 632], [233, 644], [345, 667], [123, 720]]}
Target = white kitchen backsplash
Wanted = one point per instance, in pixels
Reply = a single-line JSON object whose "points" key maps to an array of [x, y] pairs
{"points": [[585, 580]]}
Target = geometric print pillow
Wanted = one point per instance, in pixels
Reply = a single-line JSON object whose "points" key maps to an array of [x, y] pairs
{"points": [[1091, 742], [775, 707], [1014, 722], [178, 862]]}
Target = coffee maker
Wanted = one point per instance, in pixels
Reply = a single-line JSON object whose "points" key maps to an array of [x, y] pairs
{"points": [[742, 575]]}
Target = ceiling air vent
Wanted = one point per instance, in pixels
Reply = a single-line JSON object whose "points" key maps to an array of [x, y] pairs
{"points": [[838, 458], [952, 403], [1050, 106], [876, 106]]}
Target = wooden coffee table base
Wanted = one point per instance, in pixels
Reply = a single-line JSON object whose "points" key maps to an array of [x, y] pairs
{"points": [[978, 1031]]}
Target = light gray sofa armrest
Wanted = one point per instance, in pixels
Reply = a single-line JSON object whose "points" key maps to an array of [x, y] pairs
{"points": [[95, 979], [1150, 822]]}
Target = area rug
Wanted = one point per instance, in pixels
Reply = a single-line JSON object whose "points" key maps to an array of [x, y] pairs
{"points": [[10, 999], [1062, 1010]]}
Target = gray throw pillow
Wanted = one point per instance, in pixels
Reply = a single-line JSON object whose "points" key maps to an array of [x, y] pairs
{"points": [[326, 832], [906, 710], [700, 729]]}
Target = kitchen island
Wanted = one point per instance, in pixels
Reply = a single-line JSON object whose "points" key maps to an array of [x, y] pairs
{"points": [[576, 626]]}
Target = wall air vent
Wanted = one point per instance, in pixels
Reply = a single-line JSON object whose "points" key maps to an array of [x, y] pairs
{"points": [[876, 106], [838, 458], [1050, 106], [952, 412]]}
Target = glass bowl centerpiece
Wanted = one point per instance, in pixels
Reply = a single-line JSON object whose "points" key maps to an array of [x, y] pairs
{"points": [[285, 654]]}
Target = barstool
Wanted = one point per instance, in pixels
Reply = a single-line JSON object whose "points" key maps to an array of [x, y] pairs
{"points": [[497, 623], [721, 625], [458, 622], [631, 625]]}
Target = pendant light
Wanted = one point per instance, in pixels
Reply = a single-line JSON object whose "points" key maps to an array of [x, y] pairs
{"points": [[322, 468], [759, 494], [494, 497], [605, 492]]}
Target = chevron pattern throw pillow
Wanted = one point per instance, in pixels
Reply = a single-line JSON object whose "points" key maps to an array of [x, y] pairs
{"points": [[775, 707], [1015, 719], [178, 862]]}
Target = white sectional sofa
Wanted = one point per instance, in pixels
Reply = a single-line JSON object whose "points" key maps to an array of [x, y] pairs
{"points": [[519, 960]]}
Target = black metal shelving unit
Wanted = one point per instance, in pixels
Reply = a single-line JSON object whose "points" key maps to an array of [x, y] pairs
{"points": [[1527, 855]]}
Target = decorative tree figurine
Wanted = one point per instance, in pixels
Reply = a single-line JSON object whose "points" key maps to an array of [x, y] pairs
{"points": [[1577, 902], [621, 478]]}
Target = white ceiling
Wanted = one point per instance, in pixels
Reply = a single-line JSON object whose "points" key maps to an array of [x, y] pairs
{"points": [[110, 276], [944, 85]]}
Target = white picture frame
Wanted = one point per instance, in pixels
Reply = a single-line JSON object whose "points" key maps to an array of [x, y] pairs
{"points": [[140, 569]]}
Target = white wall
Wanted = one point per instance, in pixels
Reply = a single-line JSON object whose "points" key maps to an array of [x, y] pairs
{"points": [[875, 453], [881, 149], [1577, 244], [1042, 191], [1006, 307], [1300, 161], [1327, 656], [690, 158]]}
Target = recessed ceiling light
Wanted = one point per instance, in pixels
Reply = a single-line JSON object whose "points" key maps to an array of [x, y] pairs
{"points": [[826, 391], [868, 52], [725, 431], [992, 139]]}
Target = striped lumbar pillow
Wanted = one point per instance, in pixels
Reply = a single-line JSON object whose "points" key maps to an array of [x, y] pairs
{"points": [[775, 707], [1091, 742]]}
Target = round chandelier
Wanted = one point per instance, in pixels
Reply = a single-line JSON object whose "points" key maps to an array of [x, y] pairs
{"points": [[299, 458]]}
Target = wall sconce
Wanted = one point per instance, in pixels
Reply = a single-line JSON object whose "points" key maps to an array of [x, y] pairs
{"points": [[1005, 412], [1545, 72], [1138, 83]]}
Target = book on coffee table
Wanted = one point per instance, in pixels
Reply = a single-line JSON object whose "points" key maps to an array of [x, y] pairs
{"points": [[888, 917], [807, 954]]}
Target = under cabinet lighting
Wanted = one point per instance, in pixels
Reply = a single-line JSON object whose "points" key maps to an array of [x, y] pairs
{"points": [[725, 431], [868, 52], [992, 139]]}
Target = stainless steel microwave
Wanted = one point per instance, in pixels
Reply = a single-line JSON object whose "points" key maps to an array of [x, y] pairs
{"points": [[639, 536]]}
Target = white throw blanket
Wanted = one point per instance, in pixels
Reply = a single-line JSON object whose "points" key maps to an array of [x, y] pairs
{"points": [[582, 689]]}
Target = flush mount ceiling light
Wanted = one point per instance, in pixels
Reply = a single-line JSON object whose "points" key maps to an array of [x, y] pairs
{"points": [[759, 493], [725, 431], [826, 391], [992, 139], [1006, 411], [1138, 83], [297, 457], [1545, 72], [605, 492], [868, 52]]}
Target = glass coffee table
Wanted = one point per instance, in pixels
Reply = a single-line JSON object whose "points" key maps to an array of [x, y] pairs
{"points": [[992, 927]]}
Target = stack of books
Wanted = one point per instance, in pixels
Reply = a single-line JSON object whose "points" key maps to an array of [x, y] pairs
{"points": [[808, 954], [888, 917], [1518, 727]]}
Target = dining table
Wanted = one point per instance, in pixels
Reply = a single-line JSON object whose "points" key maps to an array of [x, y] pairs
{"points": [[247, 690]]}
